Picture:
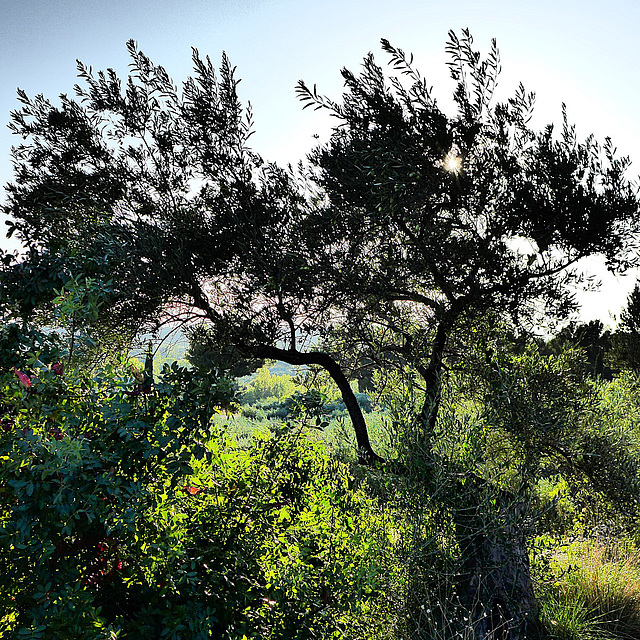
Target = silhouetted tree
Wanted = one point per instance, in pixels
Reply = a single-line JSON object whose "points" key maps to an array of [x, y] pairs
{"points": [[415, 220], [156, 191], [431, 217]]}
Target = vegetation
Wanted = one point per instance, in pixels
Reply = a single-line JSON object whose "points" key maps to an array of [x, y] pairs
{"points": [[430, 468], [127, 511]]}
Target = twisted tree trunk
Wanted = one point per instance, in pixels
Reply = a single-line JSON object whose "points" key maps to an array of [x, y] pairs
{"points": [[495, 577], [432, 376]]}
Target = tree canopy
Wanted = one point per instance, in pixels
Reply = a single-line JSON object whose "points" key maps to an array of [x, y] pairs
{"points": [[432, 217], [406, 222]]}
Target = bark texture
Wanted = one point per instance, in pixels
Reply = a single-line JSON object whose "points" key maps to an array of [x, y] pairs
{"points": [[495, 574]]}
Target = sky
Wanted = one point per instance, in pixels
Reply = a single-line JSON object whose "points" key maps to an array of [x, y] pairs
{"points": [[583, 53]]}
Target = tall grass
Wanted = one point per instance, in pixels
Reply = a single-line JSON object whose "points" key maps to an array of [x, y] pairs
{"points": [[597, 595]]}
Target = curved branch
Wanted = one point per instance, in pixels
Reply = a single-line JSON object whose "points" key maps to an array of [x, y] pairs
{"points": [[366, 454]]}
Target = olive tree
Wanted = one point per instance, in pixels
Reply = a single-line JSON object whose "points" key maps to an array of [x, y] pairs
{"points": [[432, 218], [415, 219], [156, 190]]}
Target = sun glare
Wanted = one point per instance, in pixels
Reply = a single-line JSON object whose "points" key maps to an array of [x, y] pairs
{"points": [[453, 162]]}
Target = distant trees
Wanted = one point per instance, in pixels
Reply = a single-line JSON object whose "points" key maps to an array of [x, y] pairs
{"points": [[604, 351], [409, 220], [626, 340], [592, 339]]}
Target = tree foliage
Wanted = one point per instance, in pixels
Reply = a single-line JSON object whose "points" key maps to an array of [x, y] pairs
{"points": [[407, 221], [432, 217], [159, 187]]}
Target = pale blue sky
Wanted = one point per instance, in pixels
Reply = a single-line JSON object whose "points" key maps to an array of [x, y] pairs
{"points": [[585, 53]]}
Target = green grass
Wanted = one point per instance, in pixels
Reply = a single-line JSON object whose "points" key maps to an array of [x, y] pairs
{"points": [[596, 594], [567, 617]]}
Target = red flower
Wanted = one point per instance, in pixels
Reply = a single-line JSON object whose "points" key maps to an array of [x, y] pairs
{"points": [[24, 378], [57, 368]]}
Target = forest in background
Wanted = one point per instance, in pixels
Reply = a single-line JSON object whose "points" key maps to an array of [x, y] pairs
{"points": [[434, 469]]}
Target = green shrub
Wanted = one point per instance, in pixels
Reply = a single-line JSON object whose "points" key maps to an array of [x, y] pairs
{"points": [[556, 506], [265, 385], [125, 511]]}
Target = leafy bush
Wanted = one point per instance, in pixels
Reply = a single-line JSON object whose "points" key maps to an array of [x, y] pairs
{"points": [[265, 385], [19, 344], [80, 458], [123, 511]]}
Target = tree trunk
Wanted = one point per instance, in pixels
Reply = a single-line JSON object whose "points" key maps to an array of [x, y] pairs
{"points": [[432, 375], [495, 579], [366, 454]]}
